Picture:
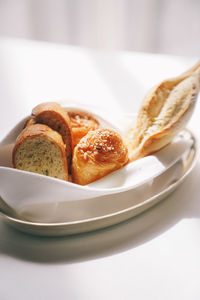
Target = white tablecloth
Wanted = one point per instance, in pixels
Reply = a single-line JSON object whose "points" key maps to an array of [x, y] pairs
{"points": [[152, 256]]}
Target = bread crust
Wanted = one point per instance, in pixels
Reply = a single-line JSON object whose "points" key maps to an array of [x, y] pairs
{"points": [[56, 117], [99, 153], [41, 130], [81, 123], [165, 111]]}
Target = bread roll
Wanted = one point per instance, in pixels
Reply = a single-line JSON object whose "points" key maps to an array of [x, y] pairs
{"points": [[40, 149], [164, 113], [81, 123], [99, 153], [56, 117]]}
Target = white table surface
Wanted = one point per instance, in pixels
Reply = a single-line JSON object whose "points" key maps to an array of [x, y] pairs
{"points": [[155, 255]]}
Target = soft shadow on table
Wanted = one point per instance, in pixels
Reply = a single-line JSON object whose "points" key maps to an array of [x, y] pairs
{"points": [[179, 205]]}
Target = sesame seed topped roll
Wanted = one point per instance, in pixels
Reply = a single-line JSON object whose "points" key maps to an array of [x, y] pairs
{"points": [[99, 153]]}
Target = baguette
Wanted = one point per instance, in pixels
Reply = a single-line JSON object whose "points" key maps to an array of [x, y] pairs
{"points": [[40, 149], [165, 111], [56, 117]]}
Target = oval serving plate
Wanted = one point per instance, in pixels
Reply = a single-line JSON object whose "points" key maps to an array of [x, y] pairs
{"points": [[105, 211], [96, 213]]}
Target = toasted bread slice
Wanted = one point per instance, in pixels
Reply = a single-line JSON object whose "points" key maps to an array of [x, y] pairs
{"points": [[56, 117], [40, 149]]}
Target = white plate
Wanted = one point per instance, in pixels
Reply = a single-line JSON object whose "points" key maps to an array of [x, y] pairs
{"points": [[101, 212], [91, 214]]}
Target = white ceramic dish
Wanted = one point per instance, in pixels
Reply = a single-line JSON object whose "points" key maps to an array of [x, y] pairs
{"points": [[89, 213]]}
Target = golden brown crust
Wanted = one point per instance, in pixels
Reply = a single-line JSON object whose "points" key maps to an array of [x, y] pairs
{"points": [[164, 112], [99, 153], [81, 123], [56, 117], [30, 121], [40, 130]]}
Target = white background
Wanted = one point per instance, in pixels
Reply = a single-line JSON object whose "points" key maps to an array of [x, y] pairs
{"points": [[167, 26]]}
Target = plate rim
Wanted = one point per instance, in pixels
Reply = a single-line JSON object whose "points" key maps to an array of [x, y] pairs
{"points": [[14, 221]]}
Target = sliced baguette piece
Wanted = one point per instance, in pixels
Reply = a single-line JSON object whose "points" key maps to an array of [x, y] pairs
{"points": [[165, 111], [56, 117], [40, 149]]}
